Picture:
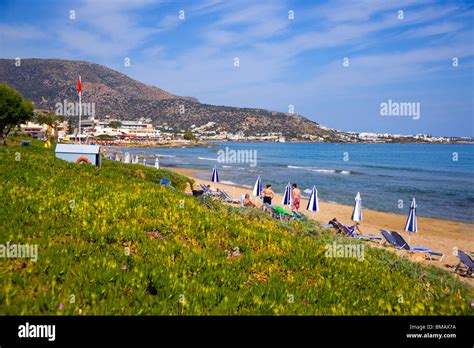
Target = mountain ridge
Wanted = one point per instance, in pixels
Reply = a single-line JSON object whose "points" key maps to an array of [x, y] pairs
{"points": [[50, 81]]}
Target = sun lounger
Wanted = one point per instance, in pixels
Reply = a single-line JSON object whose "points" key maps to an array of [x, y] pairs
{"points": [[282, 211], [209, 192], [272, 211], [465, 261], [298, 215], [226, 197], [284, 214], [402, 244], [242, 201], [348, 230], [335, 224], [351, 232], [389, 238], [277, 212]]}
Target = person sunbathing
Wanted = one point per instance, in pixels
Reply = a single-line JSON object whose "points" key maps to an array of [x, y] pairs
{"points": [[211, 189], [197, 190], [337, 225], [334, 223], [248, 202]]}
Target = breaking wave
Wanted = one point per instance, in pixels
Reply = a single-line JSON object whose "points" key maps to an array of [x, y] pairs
{"points": [[324, 170]]}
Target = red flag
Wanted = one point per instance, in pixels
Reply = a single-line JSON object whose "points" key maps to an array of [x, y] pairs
{"points": [[79, 86]]}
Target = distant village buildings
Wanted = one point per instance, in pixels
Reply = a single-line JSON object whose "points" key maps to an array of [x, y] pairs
{"points": [[112, 127], [143, 129], [40, 131]]}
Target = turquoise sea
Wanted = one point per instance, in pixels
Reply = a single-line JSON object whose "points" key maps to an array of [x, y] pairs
{"points": [[440, 177]]}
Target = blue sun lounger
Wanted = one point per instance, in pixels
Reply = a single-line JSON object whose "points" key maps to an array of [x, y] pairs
{"points": [[402, 244], [298, 215], [465, 260], [351, 232], [389, 238]]}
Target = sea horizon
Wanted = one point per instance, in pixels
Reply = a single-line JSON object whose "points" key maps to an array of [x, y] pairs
{"points": [[388, 176]]}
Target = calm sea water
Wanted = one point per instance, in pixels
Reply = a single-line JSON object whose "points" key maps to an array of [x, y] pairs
{"points": [[384, 174]]}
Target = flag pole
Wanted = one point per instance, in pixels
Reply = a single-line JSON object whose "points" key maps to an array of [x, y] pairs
{"points": [[80, 109]]}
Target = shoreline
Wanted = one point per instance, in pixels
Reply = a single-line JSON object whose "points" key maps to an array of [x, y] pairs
{"points": [[191, 172], [148, 145], [212, 142], [438, 234]]}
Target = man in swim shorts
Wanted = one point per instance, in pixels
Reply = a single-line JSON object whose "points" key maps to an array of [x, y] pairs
{"points": [[296, 197], [267, 194]]}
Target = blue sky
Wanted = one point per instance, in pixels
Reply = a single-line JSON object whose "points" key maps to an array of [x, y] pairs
{"points": [[283, 61]]}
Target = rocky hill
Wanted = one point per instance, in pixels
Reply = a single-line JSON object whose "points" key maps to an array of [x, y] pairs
{"points": [[49, 81]]}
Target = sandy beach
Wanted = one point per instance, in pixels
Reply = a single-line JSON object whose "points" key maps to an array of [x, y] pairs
{"points": [[437, 234]]}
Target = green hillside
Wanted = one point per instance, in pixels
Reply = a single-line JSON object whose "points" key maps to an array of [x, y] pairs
{"points": [[112, 241]]}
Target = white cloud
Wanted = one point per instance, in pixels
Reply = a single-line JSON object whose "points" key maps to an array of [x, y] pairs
{"points": [[269, 46], [433, 29]]}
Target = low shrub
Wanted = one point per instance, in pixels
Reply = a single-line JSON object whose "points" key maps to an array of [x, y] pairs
{"points": [[112, 241]]}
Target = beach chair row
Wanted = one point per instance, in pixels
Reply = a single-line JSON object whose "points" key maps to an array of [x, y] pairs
{"points": [[274, 211], [465, 266], [394, 239], [218, 194]]}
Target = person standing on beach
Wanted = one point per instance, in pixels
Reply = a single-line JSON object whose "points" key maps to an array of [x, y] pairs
{"points": [[296, 197], [267, 194]]}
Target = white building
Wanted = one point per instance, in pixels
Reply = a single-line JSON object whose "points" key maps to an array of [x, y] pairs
{"points": [[130, 128]]}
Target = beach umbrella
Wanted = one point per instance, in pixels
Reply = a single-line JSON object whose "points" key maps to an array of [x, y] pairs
{"points": [[287, 195], [117, 157], [144, 161], [127, 158], [411, 225], [357, 213], [313, 204], [157, 163], [257, 188], [215, 175], [136, 159]]}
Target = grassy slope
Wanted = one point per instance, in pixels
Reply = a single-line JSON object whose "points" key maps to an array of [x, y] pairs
{"points": [[84, 218]]}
